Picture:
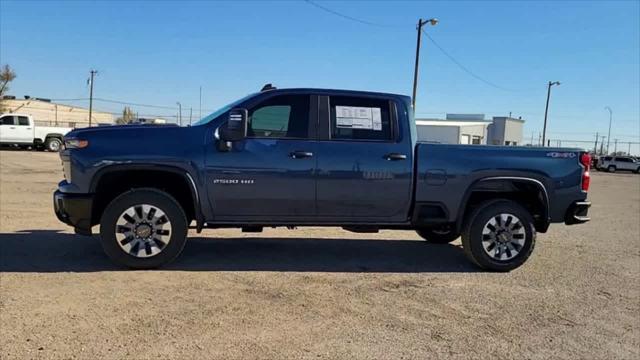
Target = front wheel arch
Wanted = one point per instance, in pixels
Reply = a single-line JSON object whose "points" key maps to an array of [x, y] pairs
{"points": [[175, 181]]}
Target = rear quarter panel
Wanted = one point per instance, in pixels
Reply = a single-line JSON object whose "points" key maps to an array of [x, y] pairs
{"points": [[446, 173]]}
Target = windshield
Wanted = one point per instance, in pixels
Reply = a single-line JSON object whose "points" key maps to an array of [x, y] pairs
{"points": [[220, 111]]}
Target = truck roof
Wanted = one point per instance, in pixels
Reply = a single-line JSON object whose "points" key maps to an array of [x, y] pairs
{"points": [[341, 92]]}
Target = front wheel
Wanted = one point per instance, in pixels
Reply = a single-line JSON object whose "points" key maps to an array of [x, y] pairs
{"points": [[53, 144], [499, 235], [611, 169], [143, 229], [438, 235]]}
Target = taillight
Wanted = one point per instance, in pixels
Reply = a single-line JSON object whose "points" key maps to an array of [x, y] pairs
{"points": [[585, 161]]}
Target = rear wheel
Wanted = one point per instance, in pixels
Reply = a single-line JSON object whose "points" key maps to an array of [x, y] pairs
{"points": [[53, 144], [143, 229], [499, 235], [442, 235]]}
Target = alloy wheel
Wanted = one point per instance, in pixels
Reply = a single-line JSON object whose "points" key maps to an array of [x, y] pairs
{"points": [[143, 230], [503, 237]]}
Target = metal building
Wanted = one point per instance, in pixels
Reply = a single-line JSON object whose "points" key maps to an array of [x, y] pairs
{"points": [[471, 129]]}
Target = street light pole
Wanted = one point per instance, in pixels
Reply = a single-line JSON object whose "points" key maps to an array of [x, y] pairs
{"points": [[421, 23], [546, 109], [610, 118]]}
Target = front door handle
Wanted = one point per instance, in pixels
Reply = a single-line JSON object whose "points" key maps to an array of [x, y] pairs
{"points": [[300, 154], [395, 156]]}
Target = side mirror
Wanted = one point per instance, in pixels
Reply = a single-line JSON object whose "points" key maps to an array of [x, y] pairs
{"points": [[236, 128]]}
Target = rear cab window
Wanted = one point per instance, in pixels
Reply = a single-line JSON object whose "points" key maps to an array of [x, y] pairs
{"points": [[357, 118]]}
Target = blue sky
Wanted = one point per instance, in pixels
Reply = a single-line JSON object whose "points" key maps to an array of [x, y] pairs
{"points": [[162, 52]]}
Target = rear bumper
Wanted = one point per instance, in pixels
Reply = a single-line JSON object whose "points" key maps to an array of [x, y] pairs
{"points": [[577, 213], [74, 210]]}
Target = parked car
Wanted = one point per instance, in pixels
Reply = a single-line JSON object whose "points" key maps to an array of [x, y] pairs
{"points": [[311, 157], [21, 130], [615, 163]]}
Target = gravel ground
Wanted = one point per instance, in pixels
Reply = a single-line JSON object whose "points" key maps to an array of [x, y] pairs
{"points": [[314, 293]]}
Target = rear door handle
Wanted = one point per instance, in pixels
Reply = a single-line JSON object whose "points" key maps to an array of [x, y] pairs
{"points": [[300, 154], [395, 156]]}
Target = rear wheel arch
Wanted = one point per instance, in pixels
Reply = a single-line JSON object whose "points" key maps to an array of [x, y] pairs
{"points": [[114, 180], [530, 193]]}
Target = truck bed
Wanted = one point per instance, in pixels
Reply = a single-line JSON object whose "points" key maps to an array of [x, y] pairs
{"points": [[445, 174]]}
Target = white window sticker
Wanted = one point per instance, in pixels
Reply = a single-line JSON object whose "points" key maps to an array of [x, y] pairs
{"points": [[353, 117]]}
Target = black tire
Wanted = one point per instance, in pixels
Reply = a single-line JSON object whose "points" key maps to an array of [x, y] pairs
{"points": [[611, 169], [637, 170], [438, 236], [53, 144], [472, 235], [175, 240]]}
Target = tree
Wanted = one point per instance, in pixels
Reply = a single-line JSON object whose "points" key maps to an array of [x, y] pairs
{"points": [[128, 116], [6, 76]]}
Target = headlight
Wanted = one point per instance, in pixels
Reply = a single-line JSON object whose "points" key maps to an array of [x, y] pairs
{"points": [[75, 143]]}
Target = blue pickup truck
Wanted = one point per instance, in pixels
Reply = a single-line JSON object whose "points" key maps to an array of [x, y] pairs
{"points": [[312, 157]]}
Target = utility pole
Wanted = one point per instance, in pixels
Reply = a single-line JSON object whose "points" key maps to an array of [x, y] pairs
{"points": [[629, 151], [179, 112], [190, 113], [200, 111], [421, 23], [546, 110], [602, 145], [615, 146], [595, 147], [532, 138], [93, 73], [610, 118]]}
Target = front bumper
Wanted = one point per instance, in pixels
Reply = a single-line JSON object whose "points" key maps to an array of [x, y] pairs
{"points": [[577, 213], [74, 210]]}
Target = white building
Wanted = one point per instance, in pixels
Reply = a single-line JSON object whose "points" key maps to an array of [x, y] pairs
{"points": [[455, 129], [505, 131], [470, 129]]}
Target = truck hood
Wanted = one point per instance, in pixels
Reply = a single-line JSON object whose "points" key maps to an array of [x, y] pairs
{"points": [[118, 130]]}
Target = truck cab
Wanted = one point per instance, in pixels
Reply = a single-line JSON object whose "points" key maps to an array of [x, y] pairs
{"points": [[16, 129], [313, 157]]}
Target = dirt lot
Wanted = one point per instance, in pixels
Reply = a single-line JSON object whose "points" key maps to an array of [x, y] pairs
{"points": [[314, 293]]}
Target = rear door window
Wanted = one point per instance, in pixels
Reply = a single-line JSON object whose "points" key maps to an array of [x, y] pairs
{"points": [[360, 118], [23, 121]]}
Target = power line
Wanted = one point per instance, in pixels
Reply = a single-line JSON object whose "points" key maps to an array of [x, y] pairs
{"points": [[365, 22], [438, 46], [464, 68]]}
